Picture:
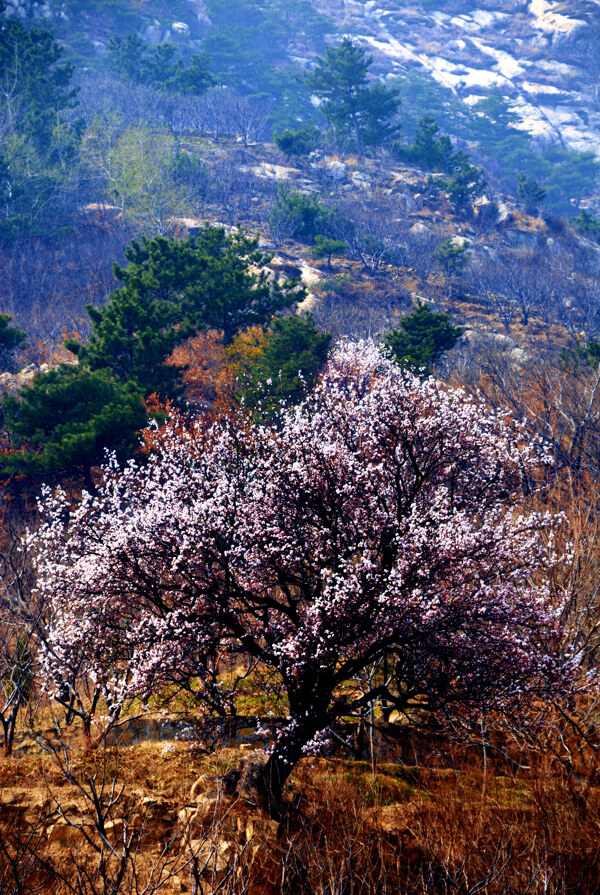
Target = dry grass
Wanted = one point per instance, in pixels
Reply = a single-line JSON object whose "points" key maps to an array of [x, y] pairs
{"points": [[410, 830]]}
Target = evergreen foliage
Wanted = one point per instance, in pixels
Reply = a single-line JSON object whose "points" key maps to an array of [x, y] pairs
{"points": [[293, 352], [367, 114], [530, 192], [421, 339], [490, 125], [11, 339], [35, 82], [573, 359], [301, 141], [428, 150], [465, 185], [302, 215], [250, 45], [160, 67], [587, 224], [38, 144], [67, 419], [171, 288], [325, 247], [453, 258]]}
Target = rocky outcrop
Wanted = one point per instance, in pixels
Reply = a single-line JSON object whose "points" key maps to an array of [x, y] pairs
{"points": [[32, 9], [535, 51], [11, 383]]}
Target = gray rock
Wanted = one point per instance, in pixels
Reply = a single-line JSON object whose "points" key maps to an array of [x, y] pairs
{"points": [[420, 230], [406, 202], [336, 170], [362, 181], [504, 213], [460, 241], [522, 239]]}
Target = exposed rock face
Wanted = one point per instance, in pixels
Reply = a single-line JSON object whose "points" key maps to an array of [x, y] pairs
{"points": [[27, 9], [199, 10], [11, 383], [97, 24], [543, 54], [421, 230]]}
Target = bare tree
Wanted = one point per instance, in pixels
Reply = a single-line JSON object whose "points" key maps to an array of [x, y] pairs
{"points": [[370, 234], [21, 622]]}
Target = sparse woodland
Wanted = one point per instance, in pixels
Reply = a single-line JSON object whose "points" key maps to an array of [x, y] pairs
{"points": [[299, 470]]}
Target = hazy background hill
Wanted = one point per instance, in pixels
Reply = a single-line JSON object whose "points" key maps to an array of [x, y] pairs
{"points": [[526, 70]]}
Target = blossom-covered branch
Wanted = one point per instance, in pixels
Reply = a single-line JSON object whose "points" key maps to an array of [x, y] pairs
{"points": [[383, 518]]}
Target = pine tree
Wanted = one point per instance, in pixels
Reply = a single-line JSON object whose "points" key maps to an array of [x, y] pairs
{"points": [[325, 247], [422, 338], [350, 106], [67, 419], [33, 74], [11, 339], [292, 353], [428, 150], [466, 183], [171, 288], [530, 192], [160, 67]]}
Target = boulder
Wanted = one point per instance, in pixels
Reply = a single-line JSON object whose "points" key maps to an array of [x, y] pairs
{"points": [[460, 241], [406, 202], [310, 276], [250, 769], [522, 239], [114, 828], [216, 855], [553, 246], [185, 814], [260, 827], [268, 171], [205, 783], [309, 305], [7, 382], [285, 268], [360, 180], [208, 805], [26, 375], [420, 230], [63, 832], [337, 170], [504, 213]]}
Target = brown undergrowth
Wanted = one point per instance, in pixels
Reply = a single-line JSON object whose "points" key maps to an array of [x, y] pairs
{"points": [[157, 818]]}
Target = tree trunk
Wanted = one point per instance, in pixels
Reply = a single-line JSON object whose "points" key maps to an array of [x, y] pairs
{"points": [[270, 781], [9, 726], [87, 735]]}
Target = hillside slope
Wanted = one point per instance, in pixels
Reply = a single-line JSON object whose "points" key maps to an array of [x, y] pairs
{"points": [[544, 56]]}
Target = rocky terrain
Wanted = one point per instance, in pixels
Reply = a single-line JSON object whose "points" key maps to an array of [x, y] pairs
{"points": [[542, 55]]}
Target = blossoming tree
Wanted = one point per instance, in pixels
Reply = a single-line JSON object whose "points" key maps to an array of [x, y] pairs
{"points": [[383, 518]]}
